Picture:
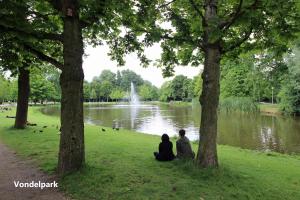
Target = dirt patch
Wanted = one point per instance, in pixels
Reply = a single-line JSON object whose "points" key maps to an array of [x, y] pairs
{"points": [[13, 169]]}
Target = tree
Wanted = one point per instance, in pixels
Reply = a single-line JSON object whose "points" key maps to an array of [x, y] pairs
{"points": [[117, 94], [148, 92], [4, 89], [53, 32], [41, 88], [181, 88], [107, 75], [106, 88], [237, 79], [128, 76], [165, 92], [208, 31], [289, 94], [197, 85], [17, 62]]}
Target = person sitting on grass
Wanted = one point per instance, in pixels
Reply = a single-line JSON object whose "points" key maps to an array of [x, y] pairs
{"points": [[165, 149], [183, 146]]}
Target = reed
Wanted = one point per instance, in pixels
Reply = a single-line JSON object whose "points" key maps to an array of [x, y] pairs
{"points": [[238, 104]]}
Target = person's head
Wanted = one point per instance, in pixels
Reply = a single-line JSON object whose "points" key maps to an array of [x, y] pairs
{"points": [[182, 132], [165, 137]]}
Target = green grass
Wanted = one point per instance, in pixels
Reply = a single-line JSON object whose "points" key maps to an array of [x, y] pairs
{"points": [[120, 165], [269, 108]]}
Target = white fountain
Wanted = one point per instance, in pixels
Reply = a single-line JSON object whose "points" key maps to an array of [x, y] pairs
{"points": [[134, 98]]}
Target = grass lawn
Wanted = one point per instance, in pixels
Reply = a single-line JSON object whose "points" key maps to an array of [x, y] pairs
{"points": [[120, 165]]}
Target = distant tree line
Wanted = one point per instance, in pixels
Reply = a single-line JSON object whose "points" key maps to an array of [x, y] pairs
{"points": [[44, 86], [109, 86]]}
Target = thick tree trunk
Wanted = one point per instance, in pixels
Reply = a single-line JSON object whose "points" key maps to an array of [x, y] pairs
{"points": [[209, 99], [23, 96], [71, 151]]}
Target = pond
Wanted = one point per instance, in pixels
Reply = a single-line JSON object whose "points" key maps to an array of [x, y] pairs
{"points": [[250, 131]]}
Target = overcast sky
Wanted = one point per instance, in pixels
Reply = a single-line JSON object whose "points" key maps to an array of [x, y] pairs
{"points": [[98, 60]]}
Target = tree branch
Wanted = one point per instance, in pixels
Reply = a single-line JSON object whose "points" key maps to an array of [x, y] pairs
{"points": [[239, 42], [43, 57], [192, 2], [36, 34], [237, 13], [166, 4]]}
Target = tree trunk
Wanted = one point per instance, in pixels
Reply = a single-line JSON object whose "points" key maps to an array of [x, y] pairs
{"points": [[71, 151], [23, 96], [209, 99]]}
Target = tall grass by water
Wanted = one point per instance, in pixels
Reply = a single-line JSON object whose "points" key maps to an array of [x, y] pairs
{"points": [[238, 104]]}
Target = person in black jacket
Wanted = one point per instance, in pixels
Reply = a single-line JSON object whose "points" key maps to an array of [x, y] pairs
{"points": [[165, 149]]}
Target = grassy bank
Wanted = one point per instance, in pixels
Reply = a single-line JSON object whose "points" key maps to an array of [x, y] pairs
{"points": [[120, 165], [269, 108]]}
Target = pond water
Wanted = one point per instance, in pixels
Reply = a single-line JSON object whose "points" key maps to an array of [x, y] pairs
{"points": [[250, 131]]}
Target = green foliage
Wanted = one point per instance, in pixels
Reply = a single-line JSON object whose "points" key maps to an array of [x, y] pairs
{"points": [[181, 88], [148, 92], [41, 88], [248, 76], [165, 92], [8, 89], [197, 86], [240, 104], [117, 94], [290, 92], [106, 88], [110, 86], [4, 92], [238, 27]]}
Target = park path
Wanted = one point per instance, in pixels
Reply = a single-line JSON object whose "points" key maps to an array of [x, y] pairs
{"points": [[13, 169]]}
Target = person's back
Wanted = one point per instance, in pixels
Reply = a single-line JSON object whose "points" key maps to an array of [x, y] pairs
{"points": [[183, 147], [165, 150]]}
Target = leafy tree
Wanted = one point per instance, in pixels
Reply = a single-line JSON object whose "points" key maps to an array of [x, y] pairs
{"points": [[4, 89], [208, 31], [93, 94], [40, 90], [117, 94], [181, 88], [197, 85], [106, 88], [128, 76], [148, 92], [289, 94], [107, 75], [53, 32], [237, 79], [17, 61], [165, 92], [86, 90]]}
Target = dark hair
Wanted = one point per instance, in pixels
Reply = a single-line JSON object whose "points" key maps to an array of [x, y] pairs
{"points": [[181, 132], [165, 137]]}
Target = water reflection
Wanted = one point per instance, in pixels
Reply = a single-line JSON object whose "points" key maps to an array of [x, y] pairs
{"points": [[251, 131]]}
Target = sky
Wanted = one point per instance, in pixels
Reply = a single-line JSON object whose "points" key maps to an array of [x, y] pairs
{"points": [[98, 60]]}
